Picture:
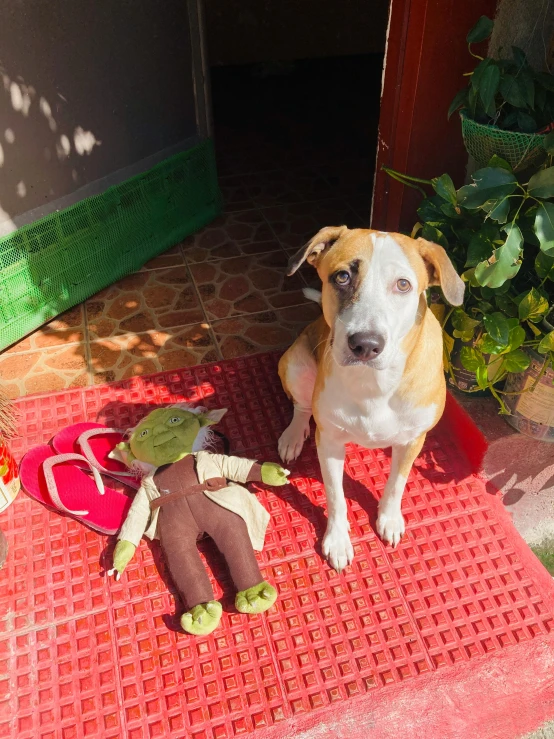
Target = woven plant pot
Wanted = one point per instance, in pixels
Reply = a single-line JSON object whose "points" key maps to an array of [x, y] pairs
{"points": [[532, 412], [520, 150]]}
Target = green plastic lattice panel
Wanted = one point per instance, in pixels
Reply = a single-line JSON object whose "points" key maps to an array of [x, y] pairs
{"points": [[55, 263]]}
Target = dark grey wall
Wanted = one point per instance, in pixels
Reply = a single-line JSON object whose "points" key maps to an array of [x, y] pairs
{"points": [[89, 87]]}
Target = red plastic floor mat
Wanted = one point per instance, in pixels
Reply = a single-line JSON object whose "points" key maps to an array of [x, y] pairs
{"points": [[447, 636]]}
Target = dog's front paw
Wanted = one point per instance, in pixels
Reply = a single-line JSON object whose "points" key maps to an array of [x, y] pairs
{"points": [[390, 525], [292, 439], [337, 547]]}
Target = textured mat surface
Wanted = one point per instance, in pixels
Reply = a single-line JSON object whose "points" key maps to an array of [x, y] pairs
{"points": [[83, 656]]}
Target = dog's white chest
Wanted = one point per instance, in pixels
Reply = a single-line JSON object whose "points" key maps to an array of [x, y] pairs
{"points": [[370, 418]]}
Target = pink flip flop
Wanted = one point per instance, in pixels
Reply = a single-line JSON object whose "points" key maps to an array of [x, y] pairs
{"points": [[58, 481], [95, 442]]}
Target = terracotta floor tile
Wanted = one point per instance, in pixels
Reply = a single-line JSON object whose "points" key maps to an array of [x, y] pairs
{"points": [[247, 285], [296, 223], [153, 300], [234, 138], [67, 328], [307, 152], [137, 354], [45, 370], [24, 345], [235, 194], [291, 186], [231, 235], [260, 332], [307, 272], [240, 162], [353, 177], [170, 258], [72, 318]]}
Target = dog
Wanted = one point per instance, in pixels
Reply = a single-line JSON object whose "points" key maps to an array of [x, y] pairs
{"points": [[370, 369]]}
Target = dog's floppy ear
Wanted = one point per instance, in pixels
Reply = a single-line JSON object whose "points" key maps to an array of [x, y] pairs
{"points": [[441, 271], [311, 252]]}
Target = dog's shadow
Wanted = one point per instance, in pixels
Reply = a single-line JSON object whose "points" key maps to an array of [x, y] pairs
{"points": [[427, 466]]}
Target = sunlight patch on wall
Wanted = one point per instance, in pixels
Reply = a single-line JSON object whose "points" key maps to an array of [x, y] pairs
{"points": [[63, 147], [84, 141], [35, 118], [7, 226], [46, 111], [45, 108]]}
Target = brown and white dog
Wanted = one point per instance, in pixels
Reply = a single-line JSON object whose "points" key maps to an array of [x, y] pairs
{"points": [[370, 370]]}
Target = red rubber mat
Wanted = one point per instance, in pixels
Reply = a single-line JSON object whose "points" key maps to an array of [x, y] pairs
{"points": [[448, 636]]}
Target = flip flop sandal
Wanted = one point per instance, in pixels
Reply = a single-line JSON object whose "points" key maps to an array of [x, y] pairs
{"points": [[95, 442], [59, 482]]}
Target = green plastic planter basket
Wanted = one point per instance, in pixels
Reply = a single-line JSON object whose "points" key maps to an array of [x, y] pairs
{"points": [[520, 150], [59, 261]]}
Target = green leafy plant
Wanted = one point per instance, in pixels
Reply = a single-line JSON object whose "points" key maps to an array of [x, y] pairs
{"points": [[499, 233], [507, 93]]}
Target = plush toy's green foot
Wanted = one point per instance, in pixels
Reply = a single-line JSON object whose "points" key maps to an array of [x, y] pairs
{"points": [[256, 599], [202, 619]]}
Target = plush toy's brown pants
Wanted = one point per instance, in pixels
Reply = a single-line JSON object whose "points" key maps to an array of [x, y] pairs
{"points": [[181, 523]]}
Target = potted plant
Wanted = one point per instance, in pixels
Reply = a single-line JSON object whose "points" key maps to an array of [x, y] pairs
{"points": [[532, 413], [499, 233], [506, 108]]}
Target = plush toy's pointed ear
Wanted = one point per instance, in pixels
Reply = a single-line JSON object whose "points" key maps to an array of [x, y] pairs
{"points": [[196, 409], [210, 418], [123, 453]]}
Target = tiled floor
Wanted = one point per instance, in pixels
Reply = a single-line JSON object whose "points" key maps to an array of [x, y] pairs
{"points": [[223, 292]]}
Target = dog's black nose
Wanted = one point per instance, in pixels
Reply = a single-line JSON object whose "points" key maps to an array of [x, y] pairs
{"points": [[365, 345]]}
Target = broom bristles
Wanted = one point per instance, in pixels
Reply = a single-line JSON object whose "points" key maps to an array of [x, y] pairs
{"points": [[8, 416]]}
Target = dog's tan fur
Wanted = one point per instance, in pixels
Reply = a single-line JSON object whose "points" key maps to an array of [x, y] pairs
{"points": [[309, 368]]}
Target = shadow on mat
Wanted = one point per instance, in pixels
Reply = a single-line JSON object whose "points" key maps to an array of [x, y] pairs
{"points": [[215, 564]]}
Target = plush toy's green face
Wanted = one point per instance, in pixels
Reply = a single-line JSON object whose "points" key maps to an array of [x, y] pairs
{"points": [[165, 436]]}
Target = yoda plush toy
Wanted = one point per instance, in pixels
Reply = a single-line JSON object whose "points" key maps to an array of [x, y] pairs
{"points": [[184, 494]]}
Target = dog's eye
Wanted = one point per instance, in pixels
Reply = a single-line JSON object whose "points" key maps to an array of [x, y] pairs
{"points": [[144, 434], [403, 286], [342, 278]]}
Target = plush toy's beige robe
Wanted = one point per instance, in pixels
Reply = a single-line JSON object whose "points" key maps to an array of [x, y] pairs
{"points": [[142, 521]]}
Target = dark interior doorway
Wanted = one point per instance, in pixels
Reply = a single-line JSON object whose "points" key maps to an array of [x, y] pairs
{"points": [[296, 138], [298, 132]]}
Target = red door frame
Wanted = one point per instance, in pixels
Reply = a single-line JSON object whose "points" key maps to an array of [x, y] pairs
{"points": [[425, 59]]}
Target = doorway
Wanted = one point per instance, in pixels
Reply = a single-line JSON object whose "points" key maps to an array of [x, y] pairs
{"points": [[295, 101]]}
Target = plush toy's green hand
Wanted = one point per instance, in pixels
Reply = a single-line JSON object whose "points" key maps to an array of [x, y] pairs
{"points": [[274, 474], [122, 555]]}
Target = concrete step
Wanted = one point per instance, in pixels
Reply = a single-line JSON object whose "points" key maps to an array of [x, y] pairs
{"points": [[520, 467]]}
